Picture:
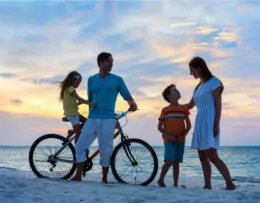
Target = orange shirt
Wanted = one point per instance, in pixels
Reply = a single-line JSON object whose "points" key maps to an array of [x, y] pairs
{"points": [[173, 118]]}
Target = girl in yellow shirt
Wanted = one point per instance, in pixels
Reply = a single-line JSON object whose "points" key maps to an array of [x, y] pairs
{"points": [[70, 100]]}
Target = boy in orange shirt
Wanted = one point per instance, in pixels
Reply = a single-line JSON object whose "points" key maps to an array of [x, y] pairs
{"points": [[174, 124]]}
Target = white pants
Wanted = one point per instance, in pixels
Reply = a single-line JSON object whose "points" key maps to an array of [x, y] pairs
{"points": [[103, 129]]}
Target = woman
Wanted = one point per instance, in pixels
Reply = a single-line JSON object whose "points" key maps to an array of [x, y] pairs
{"points": [[207, 98]]}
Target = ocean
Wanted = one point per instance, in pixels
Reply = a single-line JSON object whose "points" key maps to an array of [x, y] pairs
{"points": [[243, 162]]}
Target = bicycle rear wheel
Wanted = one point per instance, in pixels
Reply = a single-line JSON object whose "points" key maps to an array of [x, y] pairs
{"points": [[45, 165], [140, 173]]}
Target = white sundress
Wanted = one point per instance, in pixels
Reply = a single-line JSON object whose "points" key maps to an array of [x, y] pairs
{"points": [[203, 137]]}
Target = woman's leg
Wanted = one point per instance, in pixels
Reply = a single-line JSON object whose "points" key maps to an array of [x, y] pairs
{"points": [[206, 167], [164, 171], [222, 168]]}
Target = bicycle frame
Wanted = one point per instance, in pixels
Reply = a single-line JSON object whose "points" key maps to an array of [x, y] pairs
{"points": [[124, 138]]}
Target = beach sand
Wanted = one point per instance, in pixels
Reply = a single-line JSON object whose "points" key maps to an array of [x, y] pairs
{"points": [[24, 187]]}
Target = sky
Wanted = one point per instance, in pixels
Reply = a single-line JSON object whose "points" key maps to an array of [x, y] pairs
{"points": [[151, 42]]}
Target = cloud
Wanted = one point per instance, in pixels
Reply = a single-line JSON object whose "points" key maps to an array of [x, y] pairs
{"points": [[16, 101], [51, 80], [205, 30], [7, 75], [182, 24], [151, 42]]}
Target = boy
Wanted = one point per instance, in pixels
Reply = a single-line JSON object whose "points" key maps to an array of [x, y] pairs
{"points": [[174, 124]]}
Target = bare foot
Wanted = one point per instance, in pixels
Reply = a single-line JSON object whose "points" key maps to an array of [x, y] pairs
{"points": [[207, 187], [161, 183], [231, 186], [104, 180], [76, 178]]}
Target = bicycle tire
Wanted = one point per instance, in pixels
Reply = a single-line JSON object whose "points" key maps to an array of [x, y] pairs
{"points": [[38, 148], [120, 167]]}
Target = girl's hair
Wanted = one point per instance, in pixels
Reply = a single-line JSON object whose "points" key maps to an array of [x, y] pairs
{"points": [[166, 92], [198, 62], [68, 81]]}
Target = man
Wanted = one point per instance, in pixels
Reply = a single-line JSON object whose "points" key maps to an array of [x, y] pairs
{"points": [[103, 89]]}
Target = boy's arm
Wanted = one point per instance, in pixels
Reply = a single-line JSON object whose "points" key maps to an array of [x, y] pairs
{"points": [[188, 125], [164, 132], [187, 128]]}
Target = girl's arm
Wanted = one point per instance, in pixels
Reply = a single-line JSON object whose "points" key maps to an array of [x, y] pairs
{"points": [[218, 108], [81, 100]]}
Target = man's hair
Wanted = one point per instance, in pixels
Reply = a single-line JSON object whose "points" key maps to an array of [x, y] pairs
{"points": [[102, 57], [166, 92]]}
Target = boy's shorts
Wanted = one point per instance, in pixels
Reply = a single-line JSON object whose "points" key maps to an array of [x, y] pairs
{"points": [[173, 151], [74, 120]]}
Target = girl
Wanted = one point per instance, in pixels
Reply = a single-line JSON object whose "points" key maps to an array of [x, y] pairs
{"points": [[70, 100]]}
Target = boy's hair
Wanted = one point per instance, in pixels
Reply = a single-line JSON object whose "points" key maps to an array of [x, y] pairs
{"points": [[102, 57], [166, 92], [68, 81]]}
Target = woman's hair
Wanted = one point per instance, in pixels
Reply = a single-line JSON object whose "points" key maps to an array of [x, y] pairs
{"points": [[68, 81], [166, 92], [198, 62]]}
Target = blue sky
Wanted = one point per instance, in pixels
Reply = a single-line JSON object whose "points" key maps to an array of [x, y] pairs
{"points": [[151, 42]]}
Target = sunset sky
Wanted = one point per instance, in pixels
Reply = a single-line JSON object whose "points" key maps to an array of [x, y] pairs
{"points": [[152, 43]]}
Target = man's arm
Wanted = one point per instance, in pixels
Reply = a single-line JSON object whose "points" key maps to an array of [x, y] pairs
{"points": [[132, 104], [90, 94], [124, 92]]}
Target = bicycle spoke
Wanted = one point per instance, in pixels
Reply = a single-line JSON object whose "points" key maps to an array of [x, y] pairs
{"points": [[128, 172], [45, 164]]}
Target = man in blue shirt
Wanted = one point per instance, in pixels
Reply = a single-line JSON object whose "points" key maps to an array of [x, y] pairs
{"points": [[103, 89]]}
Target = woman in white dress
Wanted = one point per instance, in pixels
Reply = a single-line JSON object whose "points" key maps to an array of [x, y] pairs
{"points": [[207, 99]]}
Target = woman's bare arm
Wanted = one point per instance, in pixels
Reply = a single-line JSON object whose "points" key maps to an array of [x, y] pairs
{"points": [[191, 104]]}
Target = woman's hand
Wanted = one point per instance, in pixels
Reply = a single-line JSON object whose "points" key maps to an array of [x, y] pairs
{"points": [[216, 130]]}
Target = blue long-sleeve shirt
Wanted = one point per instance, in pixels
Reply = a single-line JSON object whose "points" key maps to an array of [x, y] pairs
{"points": [[103, 92]]}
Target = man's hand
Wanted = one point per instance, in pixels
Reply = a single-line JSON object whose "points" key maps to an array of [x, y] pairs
{"points": [[132, 105]]}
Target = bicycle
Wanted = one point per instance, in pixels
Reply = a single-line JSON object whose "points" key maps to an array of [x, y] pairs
{"points": [[133, 161]]}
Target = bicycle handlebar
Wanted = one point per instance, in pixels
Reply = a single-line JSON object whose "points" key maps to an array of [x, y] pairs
{"points": [[121, 115]]}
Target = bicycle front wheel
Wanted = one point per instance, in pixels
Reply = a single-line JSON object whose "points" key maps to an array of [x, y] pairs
{"points": [[45, 164], [143, 171]]}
